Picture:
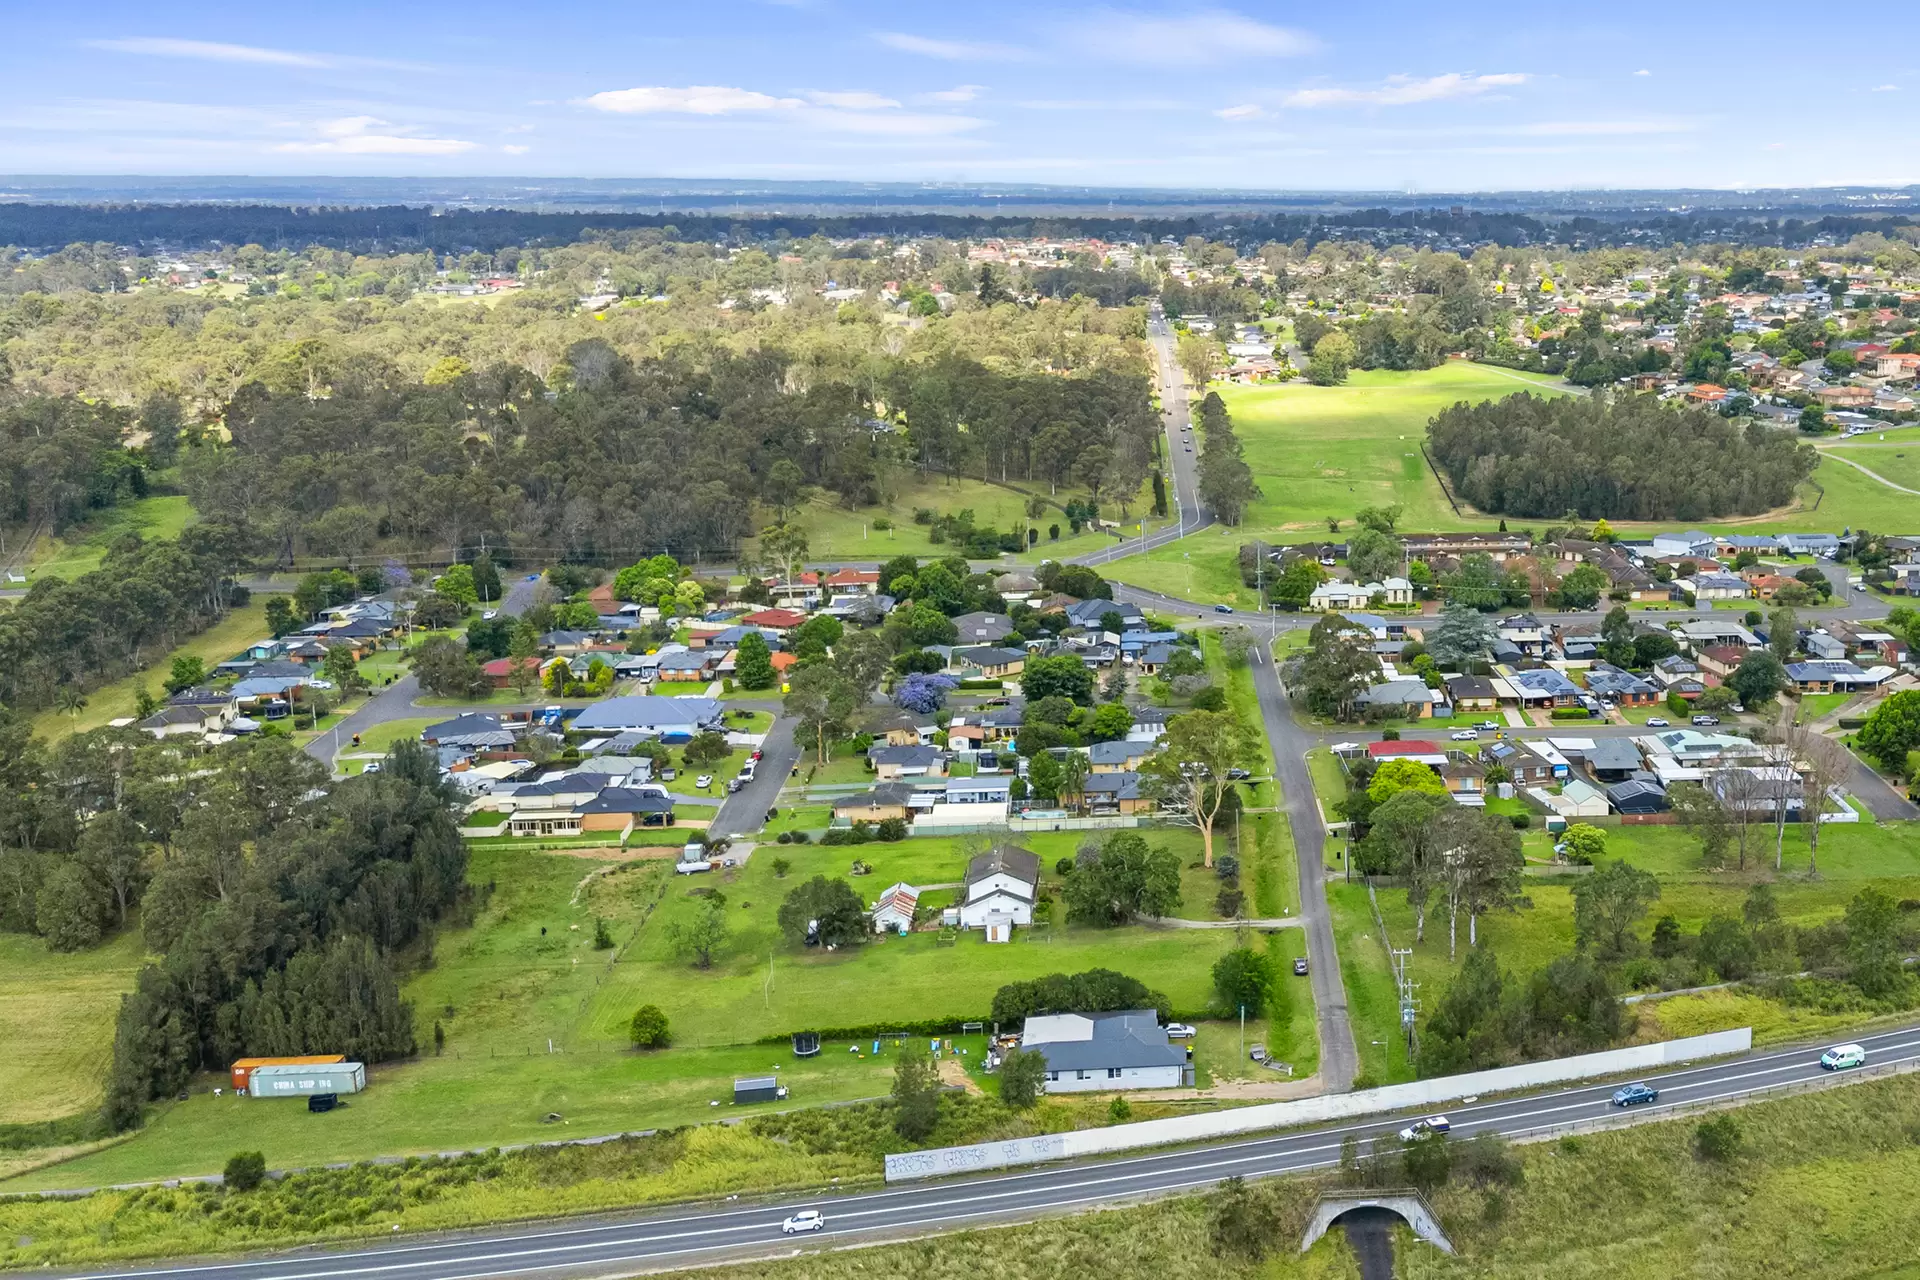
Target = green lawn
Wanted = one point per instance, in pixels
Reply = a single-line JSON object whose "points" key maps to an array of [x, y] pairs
{"points": [[1902, 466], [81, 549], [834, 533], [1814, 705], [1850, 858], [56, 1020], [219, 642]]}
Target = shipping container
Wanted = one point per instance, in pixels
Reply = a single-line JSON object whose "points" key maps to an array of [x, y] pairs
{"points": [[244, 1067], [305, 1081], [758, 1089]]}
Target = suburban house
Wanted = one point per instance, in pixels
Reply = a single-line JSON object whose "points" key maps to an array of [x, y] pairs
{"points": [[199, 720], [1714, 586], [668, 719], [1427, 753], [1541, 687], [1526, 763], [903, 728], [1336, 597], [567, 806], [1117, 757], [474, 731], [893, 913], [1112, 793], [887, 800], [1612, 759], [1466, 781], [1095, 1052], [983, 628], [893, 763], [1577, 800], [1471, 694], [1526, 633], [1868, 642], [1408, 692], [1621, 687], [990, 661], [1498, 546], [999, 890], [1906, 578], [1702, 633], [1638, 797], [1835, 676], [1149, 725], [1089, 615]]}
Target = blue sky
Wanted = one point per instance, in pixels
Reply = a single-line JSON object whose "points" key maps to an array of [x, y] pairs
{"points": [[1468, 96]]}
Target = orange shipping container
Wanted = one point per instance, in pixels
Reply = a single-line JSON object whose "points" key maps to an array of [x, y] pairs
{"points": [[243, 1069]]}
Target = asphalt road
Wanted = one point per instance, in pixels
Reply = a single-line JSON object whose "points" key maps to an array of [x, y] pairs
{"points": [[1176, 421], [746, 810], [700, 1235]]}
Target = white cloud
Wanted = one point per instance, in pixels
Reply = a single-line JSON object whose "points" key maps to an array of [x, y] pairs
{"points": [[856, 100], [949, 50], [1643, 72], [515, 149], [1886, 88], [1208, 36], [1400, 91], [695, 100], [354, 135], [168, 47], [959, 93], [1245, 111]]}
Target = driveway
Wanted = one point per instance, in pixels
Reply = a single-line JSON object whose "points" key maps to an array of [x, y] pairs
{"points": [[745, 810]]}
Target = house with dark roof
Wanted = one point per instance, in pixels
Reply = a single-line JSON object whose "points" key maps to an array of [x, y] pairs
{"points": [[1471, 694], [1408, 692], [1110, 793], [1543, 687], [990, 661], [1640, 795], [1097, 1052], [1118, 757], [983, 628], [999, 889], [1088, 614], [893, 763], [1527, 763], [886, 800], [1612, 759], [1621, 687]]}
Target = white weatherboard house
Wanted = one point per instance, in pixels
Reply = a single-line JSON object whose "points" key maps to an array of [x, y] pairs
{"points": [[1000, 889], [1089, 1052]]}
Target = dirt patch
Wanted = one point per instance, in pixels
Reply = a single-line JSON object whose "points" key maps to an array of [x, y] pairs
{"points": [[614, 853], [953, 1071]]}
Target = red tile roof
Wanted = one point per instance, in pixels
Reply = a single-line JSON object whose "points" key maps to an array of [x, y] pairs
{"points": [[1387, 750]]}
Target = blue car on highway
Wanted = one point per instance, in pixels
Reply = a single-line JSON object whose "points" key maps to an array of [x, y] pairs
{"points": [[1634, 1094]]}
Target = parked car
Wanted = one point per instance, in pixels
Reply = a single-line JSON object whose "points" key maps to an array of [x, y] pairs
{"points": [[322, 1102], [734, 784], [1635, 1094], [1299, 966], [1657, 722], [1421, 1130], [704, 781], [1842, 1056], [1258, 1052], [1239, 775], [805, 1220], [1180, 1031], [1488, 724], [1223, 608], [1465, 735], [1706, 722]]}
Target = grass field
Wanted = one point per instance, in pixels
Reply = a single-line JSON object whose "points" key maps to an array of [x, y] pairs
{"points": [[835, 533], [83, 547], [219, 642], [1902, 466], [56, 1021]]}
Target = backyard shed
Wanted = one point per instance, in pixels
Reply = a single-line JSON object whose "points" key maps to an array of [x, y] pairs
{"points": [[758, 1089]]}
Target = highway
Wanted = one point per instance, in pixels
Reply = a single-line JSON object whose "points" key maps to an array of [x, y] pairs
{"points": [[698, 1235]]}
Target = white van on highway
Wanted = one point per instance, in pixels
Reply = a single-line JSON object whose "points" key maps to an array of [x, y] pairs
{"points": [[1842, 1056]]}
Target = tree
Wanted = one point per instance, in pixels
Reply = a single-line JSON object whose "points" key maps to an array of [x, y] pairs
{"points": [[457, 584], [1190, 770], [1120, 879], [1074, 768], [1892, 730], [649, 1028], [1296, 582], [1466, 1031], [1783, 628], [695, 937], [786, 546], [280, 619], [185, 673], [70, 908], [1043, 777], [829, 910], [1479, 866], [1062, 675], [1873, 943], [245, 1171], [1607, 905], [1337, 666], [706, 748], [1243, 979], [753, 662], [445, 668], [916, 1092], [523, 658], [1373, 555], [114, 853], [1758, 678], [822, 701], [1395, 776], [342, 671], [1717, 1138], [1404, 839], [1583, 587], [1023, 1077], [1583, 844], [1464, 635], [1333, 357], [1651, 646], [1823, 764]]}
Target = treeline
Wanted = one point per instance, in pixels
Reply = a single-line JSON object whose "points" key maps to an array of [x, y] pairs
{"points": [[1628, 459], [280, 916], [67, 636], [62, 459], [624, 458], [1226, 481]]}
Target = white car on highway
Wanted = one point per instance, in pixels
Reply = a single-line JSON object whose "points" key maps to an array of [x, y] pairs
{"points": [[1421, 1130], [805, 1220], [1465, 735]]}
